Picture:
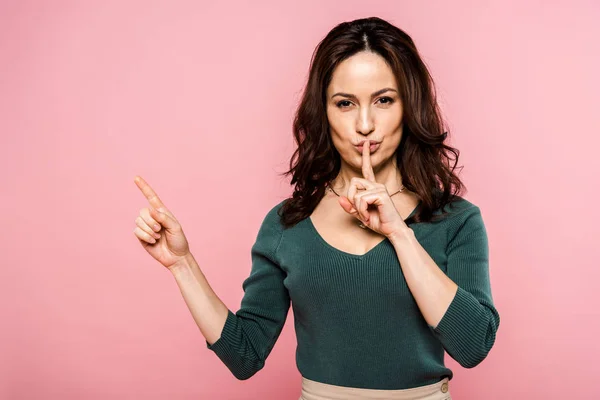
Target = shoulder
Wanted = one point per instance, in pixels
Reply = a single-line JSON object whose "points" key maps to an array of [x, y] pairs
{"points": [[271, 230], [459, 206], [272, 216], [464, 219]]}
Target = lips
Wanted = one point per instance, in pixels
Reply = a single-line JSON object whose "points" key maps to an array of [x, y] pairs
{"points": [[373, 146], [371, 142]]}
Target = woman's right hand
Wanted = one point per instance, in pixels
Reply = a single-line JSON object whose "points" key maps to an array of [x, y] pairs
{"points": [[159, 232]]}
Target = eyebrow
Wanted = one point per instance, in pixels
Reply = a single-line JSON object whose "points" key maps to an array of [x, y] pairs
{"points": [[377, 93]]}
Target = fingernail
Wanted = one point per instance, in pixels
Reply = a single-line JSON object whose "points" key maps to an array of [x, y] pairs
{"points": [[156, 228]]}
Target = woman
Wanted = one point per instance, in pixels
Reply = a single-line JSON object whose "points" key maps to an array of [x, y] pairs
{"points": [[385, 265]]}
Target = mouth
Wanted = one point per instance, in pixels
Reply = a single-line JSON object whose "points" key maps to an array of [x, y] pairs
{"points": [[372, 147]]}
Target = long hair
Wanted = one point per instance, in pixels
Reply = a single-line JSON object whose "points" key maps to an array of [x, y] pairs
{"points": [[422, 156]]}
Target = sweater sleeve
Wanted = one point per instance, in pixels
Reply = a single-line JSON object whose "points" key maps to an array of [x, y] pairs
{"points": [[250, 334], [468, 328]]}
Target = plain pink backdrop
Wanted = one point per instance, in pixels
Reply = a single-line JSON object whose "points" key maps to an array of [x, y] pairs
{"points": [[198, 98]]}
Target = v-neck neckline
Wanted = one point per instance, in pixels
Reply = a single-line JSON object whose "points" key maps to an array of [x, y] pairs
{"points": [[352, 255]]}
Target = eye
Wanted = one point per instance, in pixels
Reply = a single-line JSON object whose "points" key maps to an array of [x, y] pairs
{"points": [[341, 104], [345, 103], [389, 100]]}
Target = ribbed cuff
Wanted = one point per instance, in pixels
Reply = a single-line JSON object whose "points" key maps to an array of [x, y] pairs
{"points": [[463, 328], [230, 349], [222, 345], [462, 319]]}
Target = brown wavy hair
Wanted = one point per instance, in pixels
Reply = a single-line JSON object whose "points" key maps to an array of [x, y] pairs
{"points": [[424, 160]]}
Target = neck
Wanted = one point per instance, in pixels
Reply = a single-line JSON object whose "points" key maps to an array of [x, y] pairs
{"points": [[388, 174]]}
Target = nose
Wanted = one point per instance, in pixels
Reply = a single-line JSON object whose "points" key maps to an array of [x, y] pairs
{"points": [[364, 123]]}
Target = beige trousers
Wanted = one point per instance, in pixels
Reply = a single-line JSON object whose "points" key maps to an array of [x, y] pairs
{"points": [[312, 390]]}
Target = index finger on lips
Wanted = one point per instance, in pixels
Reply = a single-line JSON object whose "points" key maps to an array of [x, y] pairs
{"points": [[367, 168]]}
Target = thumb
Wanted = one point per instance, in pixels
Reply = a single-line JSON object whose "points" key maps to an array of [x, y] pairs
{"points": [[165, 219]]}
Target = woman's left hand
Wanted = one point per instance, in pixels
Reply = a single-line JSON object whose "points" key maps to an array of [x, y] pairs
{"points": [[363, 192]]}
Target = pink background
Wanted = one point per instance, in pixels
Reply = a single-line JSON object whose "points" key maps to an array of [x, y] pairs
{"points": [[198, 99]]}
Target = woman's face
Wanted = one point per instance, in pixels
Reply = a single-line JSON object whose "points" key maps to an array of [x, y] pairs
{"points": [[363, 103]]}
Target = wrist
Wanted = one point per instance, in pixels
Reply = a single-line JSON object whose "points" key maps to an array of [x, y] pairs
{"points": [[401, 235], [185, 263]]}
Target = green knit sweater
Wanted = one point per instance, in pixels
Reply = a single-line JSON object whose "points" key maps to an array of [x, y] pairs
{"points": [[356, 321]]}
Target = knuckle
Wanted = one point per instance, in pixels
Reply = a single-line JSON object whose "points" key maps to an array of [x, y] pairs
{"points": [[145, 236], [146, 213], [139, 234], [139, 222], [141, 231], [149, 221]]}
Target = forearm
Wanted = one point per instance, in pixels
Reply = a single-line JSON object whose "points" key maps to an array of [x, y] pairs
{"points": [[209, 312], [432, 289], [457, 302]]}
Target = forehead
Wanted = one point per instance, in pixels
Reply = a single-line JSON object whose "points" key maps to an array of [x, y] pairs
{"points": [[364, 72]]}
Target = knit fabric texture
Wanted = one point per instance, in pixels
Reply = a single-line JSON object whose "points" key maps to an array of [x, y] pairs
{"points": [[356, 321]]}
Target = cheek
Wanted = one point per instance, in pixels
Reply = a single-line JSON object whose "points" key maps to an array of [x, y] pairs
{"points": [[341, 130], [391, 120], [338, 123], [340, 143], [392, 141]]}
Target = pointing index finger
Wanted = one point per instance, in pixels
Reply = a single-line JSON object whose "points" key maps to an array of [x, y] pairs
{"points": [[150, 194], [367, 168]]}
